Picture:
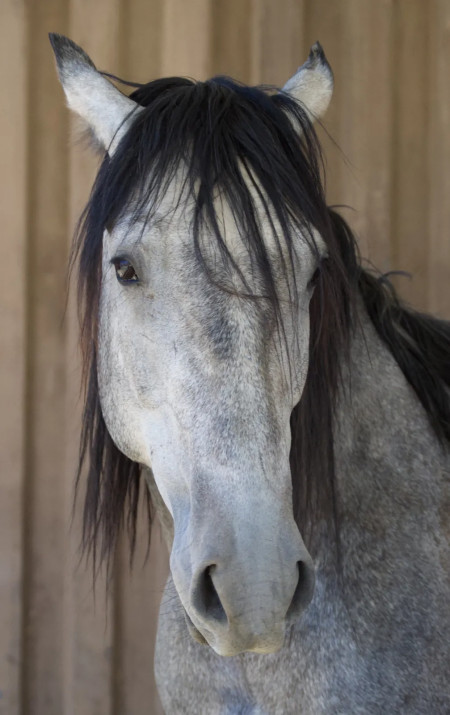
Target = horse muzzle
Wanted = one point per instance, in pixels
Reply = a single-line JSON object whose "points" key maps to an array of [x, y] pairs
{"points": [[240, 599]]}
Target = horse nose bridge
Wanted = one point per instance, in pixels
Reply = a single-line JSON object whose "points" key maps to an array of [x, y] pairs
{"points": [[237, 516], [231, 412]]}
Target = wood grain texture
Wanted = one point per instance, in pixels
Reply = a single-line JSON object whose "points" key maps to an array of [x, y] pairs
{"points": [[282, 40], [62, 650], [186, 35], [45, 523], [231, 53], [364, 99], [410, 145], [438, 278], [141, 45], [13, 286]]}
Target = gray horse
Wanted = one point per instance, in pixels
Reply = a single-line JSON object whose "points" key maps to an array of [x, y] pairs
{"points": [[290, 416]]}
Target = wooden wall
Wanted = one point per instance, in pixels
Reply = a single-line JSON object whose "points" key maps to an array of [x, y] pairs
{"points": [[61, 650]]}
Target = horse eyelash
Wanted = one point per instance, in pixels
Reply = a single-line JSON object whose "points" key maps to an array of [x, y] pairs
{"points": [[315, 276]]}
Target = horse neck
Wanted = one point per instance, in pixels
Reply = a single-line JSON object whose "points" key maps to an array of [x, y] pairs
{"points": [[389, 463], [375, 399]]}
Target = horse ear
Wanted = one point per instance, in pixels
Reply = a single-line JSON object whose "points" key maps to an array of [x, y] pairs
{"points": [[105, 110], [313, 83]]}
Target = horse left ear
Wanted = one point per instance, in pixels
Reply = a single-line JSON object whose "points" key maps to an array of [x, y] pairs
{"points": [[313, 83], [106, 111]]}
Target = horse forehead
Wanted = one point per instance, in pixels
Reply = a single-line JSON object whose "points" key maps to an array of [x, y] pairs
{"points": [[169, 222]]}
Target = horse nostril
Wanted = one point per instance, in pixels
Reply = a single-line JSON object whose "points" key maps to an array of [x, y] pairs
{"points": [[205, 598], [304, 589]]}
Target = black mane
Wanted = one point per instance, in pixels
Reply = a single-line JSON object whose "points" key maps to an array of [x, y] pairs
{"points": [[228, 134]]}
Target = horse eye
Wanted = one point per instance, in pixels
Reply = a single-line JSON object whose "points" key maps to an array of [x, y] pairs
{"points": [[125, 272], [314, 278]]}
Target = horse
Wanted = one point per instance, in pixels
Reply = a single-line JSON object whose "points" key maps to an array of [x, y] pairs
{"points": [[285, 414]]}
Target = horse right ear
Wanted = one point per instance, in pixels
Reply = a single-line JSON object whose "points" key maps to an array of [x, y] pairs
{"points": [[107, 112], [313, 83]]}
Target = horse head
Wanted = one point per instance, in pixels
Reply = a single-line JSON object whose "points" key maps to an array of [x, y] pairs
{"points": [[199, 251]]}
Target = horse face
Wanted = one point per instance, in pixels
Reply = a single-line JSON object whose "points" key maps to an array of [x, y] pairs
{"points": [[197, 381]]}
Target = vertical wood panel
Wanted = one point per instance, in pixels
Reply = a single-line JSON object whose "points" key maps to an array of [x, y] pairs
{"points": [[231, 21], [282, 40], [186, 29], [409, 149], [45, 520], [254, 40], [365, 117], [439, 158], [141, 44], [13, 220]]}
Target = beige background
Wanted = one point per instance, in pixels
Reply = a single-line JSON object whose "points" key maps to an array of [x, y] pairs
{"points": [[61, 652]]}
